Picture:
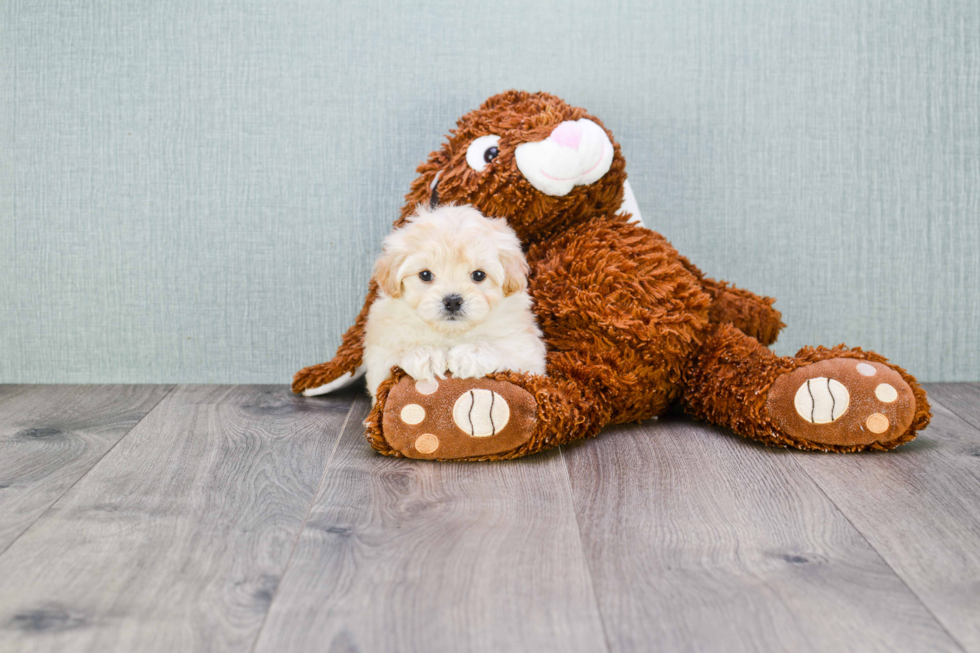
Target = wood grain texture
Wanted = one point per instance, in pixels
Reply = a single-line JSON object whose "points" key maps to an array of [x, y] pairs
{"points": [[700, 541], [403, 555], [203, 529], [919, 506], [50, 436], [963, 399], [177, 539]]}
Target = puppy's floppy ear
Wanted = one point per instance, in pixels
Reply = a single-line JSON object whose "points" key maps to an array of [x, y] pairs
{"points": [[515, 268], [511, 257], [386, 271]]}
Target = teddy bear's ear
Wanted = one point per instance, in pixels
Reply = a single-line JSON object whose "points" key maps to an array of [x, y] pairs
{"points": [[386, 272]]}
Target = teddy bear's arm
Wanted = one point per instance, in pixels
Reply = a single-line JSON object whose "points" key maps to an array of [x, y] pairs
{"points": [[751, 314], [347, 361]]}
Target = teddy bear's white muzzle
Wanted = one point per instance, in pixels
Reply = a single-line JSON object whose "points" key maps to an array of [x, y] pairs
{"points": [[577, 153]]}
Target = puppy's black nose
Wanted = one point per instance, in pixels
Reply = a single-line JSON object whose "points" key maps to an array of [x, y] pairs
{"points": [[453, 303]]}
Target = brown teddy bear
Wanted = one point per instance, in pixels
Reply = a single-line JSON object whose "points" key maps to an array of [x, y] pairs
{"points": [[632, 327]]}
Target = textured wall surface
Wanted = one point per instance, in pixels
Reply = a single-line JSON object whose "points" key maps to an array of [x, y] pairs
{"points": [[194, 191]]}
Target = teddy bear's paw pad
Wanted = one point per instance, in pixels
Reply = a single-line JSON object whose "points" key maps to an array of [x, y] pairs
{"points": [[842, 402], [481, 413], [450, 419]]}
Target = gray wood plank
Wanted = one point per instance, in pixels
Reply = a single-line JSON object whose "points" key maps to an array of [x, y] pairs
{"points": [[177, 539], [402, 555], [961, 398], [919, 506], [701, 541], [52, 435]]}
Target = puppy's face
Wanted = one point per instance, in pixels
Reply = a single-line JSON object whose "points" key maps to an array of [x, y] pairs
{"points": [[452, 266], [452, 289]]}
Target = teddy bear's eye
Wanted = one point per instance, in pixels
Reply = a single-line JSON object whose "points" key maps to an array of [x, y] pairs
{"points": [[479, 275], [482, 151], [426, 276]]}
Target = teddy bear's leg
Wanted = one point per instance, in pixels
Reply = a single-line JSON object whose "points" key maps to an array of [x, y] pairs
{"points": [[825, 399], [751, 314], [345, 366], [505, 415]]}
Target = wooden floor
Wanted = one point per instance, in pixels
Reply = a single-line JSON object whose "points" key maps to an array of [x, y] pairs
{"points": [[244, 518]]}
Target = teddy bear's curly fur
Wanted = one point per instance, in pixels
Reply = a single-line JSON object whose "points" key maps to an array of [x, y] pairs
{"points": [[632, 327]]}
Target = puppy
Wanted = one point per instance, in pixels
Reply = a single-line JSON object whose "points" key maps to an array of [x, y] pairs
{"points": [[453, 299]]}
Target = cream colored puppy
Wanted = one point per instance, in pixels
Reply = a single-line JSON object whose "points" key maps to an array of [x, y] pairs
{"points": [[453, 299]]}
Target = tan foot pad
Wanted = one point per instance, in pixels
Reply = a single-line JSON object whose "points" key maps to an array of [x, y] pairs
{"points": [[457, 418], [843, 402]]}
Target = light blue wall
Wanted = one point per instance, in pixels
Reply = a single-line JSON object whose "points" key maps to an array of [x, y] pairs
{"points": [[194, 191]]}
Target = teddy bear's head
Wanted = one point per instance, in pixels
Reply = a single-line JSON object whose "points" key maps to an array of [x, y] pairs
{"points": [[529, 158]]}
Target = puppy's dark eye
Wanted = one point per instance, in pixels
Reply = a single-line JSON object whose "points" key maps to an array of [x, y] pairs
{"points": [[426, 276], [479, 275], [490, 154]]}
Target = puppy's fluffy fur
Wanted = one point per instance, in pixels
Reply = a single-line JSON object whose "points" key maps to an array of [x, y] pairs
{"points": [[436, 315]]}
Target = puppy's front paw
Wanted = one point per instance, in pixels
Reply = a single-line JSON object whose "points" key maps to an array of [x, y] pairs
{"points": [[472, 361], [425, 363]]}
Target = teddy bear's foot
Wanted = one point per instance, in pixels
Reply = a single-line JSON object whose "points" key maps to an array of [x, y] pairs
{"points": [[843, 402], [453, 419]]}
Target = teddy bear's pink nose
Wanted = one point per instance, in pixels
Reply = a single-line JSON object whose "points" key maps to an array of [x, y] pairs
{"points": [[568, 134]]}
